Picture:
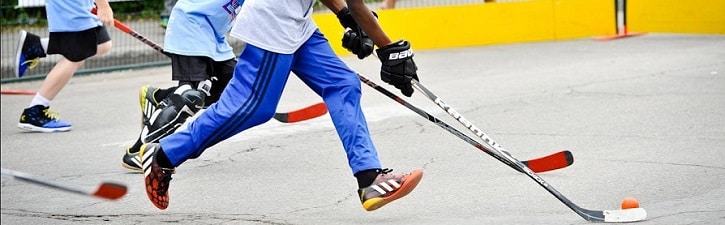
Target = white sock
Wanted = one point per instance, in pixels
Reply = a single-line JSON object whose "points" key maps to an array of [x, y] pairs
{"points": [[39, 100], [44, 43]]}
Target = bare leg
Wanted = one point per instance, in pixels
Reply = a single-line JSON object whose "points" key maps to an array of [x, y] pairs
{"points": [[61, 73], [58, 77]]}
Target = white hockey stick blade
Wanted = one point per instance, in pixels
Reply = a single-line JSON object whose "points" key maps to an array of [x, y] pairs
{"points": [[625, 215], [628, 215]]}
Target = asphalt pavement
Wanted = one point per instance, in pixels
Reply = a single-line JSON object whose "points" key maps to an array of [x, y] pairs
{"points": [[643, 117]]}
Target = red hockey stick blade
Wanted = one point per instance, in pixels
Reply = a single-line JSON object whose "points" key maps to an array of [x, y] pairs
{"points": [[551, 162], [111, 191], [17, 92], [107, 190], [306, 113]]}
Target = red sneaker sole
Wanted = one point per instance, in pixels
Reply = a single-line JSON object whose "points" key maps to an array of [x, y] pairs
{"points": [[404, 190]]}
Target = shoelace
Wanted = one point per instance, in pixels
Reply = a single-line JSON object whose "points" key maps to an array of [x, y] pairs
{"points": [[50, 114], [386, 171], [164, 182], [33, 63]]}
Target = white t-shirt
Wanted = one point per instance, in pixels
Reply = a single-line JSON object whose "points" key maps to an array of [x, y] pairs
{"points": [[277, 26]]}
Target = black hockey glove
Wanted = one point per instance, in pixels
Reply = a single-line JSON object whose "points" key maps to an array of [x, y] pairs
{"points": [[398, 67], [354, 39]]}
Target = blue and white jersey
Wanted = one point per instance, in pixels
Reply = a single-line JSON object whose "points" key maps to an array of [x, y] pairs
{"points": [[198, 28], [70, 16], [278, 26]]}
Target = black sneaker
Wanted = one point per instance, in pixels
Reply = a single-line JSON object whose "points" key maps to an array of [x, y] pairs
{"points": [[156, 178], [28, 53], [131, 160], [387, 188], [39, 119], [148, 102]]}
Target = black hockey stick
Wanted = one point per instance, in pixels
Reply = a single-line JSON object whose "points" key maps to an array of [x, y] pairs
{"points": [[305, 113], [547, 163], [126, 29], [107, 190], [621, 215]]}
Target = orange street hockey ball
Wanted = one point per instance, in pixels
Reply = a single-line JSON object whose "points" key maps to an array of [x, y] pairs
{"points": [[630, 203]]}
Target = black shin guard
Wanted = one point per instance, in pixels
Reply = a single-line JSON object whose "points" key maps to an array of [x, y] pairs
{"points": [[172, 113]]}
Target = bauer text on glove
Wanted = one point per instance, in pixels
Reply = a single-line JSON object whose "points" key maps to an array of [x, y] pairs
{"points": [[398, 67]]}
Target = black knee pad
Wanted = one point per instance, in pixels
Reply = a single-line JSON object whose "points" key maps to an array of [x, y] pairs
{"points": [[218, 84], [172, 113], [194, 99]]}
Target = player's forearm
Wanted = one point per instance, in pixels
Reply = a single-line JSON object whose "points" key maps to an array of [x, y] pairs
{"points": [[368, 22], [102, 5], [334, 5], [104, 12]]}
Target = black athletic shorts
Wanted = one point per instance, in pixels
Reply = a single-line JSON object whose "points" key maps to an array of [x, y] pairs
{"points": [[199, 68], [77, 46]]}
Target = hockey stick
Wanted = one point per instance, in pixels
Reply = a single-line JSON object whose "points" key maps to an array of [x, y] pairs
{"points": [[306, 113], [126, 29], [107, 190], [17, 92], [623, 215], [547, 163]]}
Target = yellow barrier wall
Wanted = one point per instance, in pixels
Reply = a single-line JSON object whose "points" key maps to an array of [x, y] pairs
{"points": [[676, 16], [485, 24], [584, 18]]}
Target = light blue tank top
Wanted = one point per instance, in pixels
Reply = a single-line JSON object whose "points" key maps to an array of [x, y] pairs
{"points": [[70, 15], [199, 27]]}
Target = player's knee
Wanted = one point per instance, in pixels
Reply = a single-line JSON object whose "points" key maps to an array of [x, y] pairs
{"points": [[347, 86], [175, 110], [104, 48], [167, 116], [194, 99], [178, 107], [265, 113]]}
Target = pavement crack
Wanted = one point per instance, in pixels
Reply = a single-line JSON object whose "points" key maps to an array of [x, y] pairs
{"points": [[61, 217], [666, 163], [338, 202]]}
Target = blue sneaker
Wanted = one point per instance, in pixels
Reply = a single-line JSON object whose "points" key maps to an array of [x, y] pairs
{"points": [[28, 53], [39, 119]]}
